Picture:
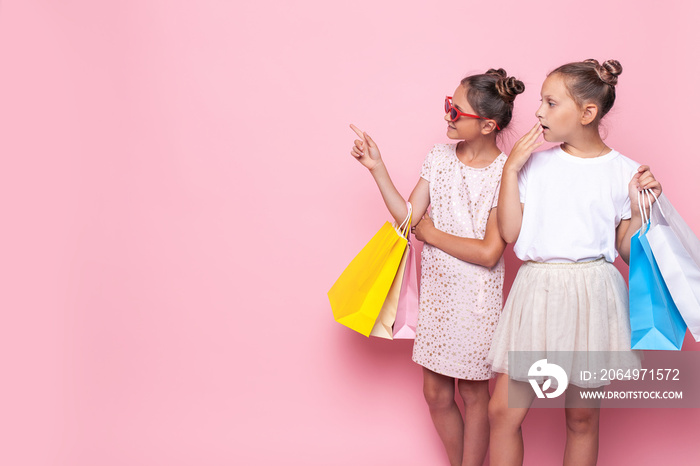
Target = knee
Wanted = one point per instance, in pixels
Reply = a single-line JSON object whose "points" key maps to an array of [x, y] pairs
{"points": [[503, 418], [474, 393], [582, 420], [498, 412], [438, 396]]}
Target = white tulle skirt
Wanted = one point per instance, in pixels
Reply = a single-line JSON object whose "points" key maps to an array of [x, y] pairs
{"points": [[578, 308]]}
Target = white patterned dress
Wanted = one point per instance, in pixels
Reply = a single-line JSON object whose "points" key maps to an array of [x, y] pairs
{"points": [[460, 302]]}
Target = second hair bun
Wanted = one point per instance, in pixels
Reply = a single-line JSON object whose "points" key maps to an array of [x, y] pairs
{"points": [[608, 71], [507, 87]]}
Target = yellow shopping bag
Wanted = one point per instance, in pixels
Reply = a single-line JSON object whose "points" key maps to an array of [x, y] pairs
{"points": [[360, 291]]}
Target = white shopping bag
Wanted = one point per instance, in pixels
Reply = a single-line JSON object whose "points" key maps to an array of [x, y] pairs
{"points": [[677, 252]]}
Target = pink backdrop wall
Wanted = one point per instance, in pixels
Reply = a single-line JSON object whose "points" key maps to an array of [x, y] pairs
{"points": [[178, 196]]}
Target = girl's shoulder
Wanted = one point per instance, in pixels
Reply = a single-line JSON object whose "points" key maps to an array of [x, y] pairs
{"points": [[443, 149], [628, 161], [440, 152], [439, 155], [628, 167], [501, 159]]}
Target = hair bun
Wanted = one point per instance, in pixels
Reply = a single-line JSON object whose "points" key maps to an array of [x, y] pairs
{"points": [[608, 71], [509, 87], [501, 73]]}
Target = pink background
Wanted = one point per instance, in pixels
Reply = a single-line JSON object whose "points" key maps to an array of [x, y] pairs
{"points": [[178, 196]]}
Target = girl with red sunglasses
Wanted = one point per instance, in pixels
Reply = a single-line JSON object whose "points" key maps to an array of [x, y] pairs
{"points": [[462, 266]]}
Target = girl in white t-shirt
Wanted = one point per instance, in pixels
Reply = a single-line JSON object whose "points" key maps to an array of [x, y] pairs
{"points": [[569, 213]]}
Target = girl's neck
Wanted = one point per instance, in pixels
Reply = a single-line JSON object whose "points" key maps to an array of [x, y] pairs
{"points": [[586, 147], [477, 154]]}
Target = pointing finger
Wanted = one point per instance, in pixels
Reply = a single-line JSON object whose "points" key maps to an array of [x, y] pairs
{"points": [[356, 130]]}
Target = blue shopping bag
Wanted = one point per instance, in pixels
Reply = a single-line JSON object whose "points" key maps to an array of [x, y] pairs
{"points": [[654, 318]]}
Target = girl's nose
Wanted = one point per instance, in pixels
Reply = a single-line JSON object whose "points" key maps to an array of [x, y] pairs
{"points": [[447, 117], [538, 112]]}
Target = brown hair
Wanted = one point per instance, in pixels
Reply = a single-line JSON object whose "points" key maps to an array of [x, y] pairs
{"points": [[589, 81], [491, 94]]}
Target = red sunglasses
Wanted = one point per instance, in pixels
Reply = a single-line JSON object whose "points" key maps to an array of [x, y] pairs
{"points": [[455, 113]]}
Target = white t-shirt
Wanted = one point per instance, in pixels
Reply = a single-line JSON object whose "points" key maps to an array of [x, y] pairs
{"points": [[572, 205]]}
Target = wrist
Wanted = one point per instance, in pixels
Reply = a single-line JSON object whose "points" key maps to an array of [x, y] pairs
{"points": [[634, 207], [510, 174], [510, 168], [429, 234], [635, 216], [377, 167]]}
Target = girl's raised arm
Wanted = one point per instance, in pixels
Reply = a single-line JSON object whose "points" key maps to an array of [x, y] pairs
{"points": [[366, 152], [510, 210]]}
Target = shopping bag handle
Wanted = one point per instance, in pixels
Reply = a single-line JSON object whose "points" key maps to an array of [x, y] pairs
{"points": [[405, 226], [649, 191], [646, 218]]}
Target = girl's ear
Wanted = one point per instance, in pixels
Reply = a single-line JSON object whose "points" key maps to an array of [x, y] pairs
{"points": [[488, 127], [590, 112]]}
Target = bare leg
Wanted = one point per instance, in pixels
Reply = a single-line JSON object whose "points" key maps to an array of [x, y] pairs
{"points": [[582, 421], [507, 447], [475, 394], [439, 392]]}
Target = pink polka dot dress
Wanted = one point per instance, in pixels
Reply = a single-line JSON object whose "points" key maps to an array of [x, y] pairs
{"points": [[460, 302]]}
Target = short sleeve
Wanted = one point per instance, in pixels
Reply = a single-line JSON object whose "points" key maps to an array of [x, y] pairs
{"points": [[626, 210], [494, 204], [626, 213], [522, 179], [427, 165]]}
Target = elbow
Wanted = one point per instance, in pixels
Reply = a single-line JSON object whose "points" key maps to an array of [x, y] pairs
{"points": [[492, 263], [509, 238], [490, 259], [625, 257], [623, 249], [508, 235]]}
